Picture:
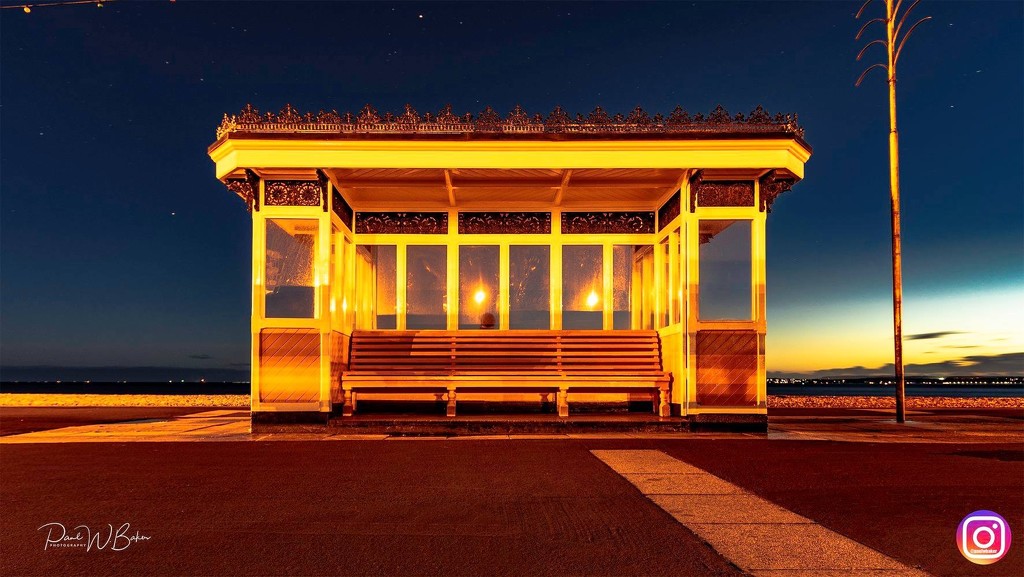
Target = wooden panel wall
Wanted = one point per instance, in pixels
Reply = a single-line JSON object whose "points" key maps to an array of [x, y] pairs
{"points": [[727, 368], [289, 365]]}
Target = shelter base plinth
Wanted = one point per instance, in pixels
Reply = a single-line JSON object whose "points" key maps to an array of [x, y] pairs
{"points": [[757, 423], [288, 421]]}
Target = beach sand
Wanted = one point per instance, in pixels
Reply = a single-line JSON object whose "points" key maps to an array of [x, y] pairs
{"points": [[837, 402]]}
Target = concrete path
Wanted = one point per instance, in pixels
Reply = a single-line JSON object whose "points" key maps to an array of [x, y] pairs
{"points": [[756, 535], [919, 428], [218, 425], [233, 425]]}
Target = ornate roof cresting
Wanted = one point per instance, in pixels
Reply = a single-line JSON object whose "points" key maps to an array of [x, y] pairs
{"points": [[518, 121]]}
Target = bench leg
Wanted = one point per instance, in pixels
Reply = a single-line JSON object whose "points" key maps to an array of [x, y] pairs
{"points": [[563, 402], [664, 409], [348, 402], [451, 402]]}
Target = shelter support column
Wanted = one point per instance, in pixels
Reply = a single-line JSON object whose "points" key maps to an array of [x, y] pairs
{"points": [[294, 256], [726, 320]]}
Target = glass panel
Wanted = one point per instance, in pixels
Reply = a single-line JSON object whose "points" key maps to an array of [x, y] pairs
{"points": [[529, 291], [643, 269], [334, 276], [582, 287], [622, 285], [377, 285], [677, 289], [478, 287], [664, 288], [364, 289], [724, 270], [291, 246], [427, 287], [349, 302]]}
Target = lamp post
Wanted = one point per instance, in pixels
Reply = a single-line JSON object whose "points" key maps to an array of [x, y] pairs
{"points": [[893, 44]]}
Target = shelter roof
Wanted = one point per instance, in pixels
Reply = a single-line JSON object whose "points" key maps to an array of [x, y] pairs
{"points": [[370, 124]]}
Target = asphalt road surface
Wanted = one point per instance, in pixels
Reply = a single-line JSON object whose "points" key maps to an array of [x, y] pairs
{"points": [[466, 507]]}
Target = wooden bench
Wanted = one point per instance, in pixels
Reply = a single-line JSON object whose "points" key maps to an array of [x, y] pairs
{"points": [[445, 361]]}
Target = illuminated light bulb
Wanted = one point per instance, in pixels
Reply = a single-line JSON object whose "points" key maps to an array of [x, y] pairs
{"points": [[26, 9], [479, 296], [592, 299]]}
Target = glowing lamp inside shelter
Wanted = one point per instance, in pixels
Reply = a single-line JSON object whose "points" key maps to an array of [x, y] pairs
{"points": [[592, 299], [480, 296]]}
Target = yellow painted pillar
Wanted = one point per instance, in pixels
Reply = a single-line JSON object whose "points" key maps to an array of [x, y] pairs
{"points": [[291, 348]]}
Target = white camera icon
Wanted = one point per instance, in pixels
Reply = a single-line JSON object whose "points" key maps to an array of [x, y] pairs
{"points": [[983, 537]]}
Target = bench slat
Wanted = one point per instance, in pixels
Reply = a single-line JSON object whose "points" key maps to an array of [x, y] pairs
{"points": [[626, 358]]}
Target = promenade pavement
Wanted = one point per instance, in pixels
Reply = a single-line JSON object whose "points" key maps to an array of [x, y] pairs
{"points": [[820, 494]]}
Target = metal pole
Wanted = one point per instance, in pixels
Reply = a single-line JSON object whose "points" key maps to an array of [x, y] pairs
{"points": [[894, 194]]}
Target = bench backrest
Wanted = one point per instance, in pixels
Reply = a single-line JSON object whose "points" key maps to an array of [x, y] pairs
{"points": [[523, 352]]}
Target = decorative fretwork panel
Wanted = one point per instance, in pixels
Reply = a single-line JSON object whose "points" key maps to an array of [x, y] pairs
{"points": [[402, 222], [772, 185], [607, 222], [668, 211], [293, 193], [725, 193], [242, 188], [342, 209], [504, 223], [518, 121]]}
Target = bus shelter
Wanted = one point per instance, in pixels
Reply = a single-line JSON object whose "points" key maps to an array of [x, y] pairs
{"points": [[380, 232]]}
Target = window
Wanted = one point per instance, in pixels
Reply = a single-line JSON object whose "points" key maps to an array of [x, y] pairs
{"points": [[725, 264], [582, 287], [289, 270], [376, 280], [623, 285], [676, 287], [529, 291], [426, 287], [663, 317], [478, 287]]}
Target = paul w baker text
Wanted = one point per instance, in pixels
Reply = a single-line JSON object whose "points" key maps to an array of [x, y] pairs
{"points": [[83, 537]]}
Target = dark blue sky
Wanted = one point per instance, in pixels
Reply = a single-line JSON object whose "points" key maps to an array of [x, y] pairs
{"points": [[120, 248]]}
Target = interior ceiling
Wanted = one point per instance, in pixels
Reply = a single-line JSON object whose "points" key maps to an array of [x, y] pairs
{"points": [[524, 187]]}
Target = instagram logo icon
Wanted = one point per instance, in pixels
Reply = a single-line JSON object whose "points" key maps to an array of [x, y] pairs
{"points": [[983, 537]]}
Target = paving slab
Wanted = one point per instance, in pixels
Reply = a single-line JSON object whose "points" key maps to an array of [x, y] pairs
{"points": [[751, 532], [681, 484], [644, 462], [754, 546], [840, 573], [724, 509]]}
